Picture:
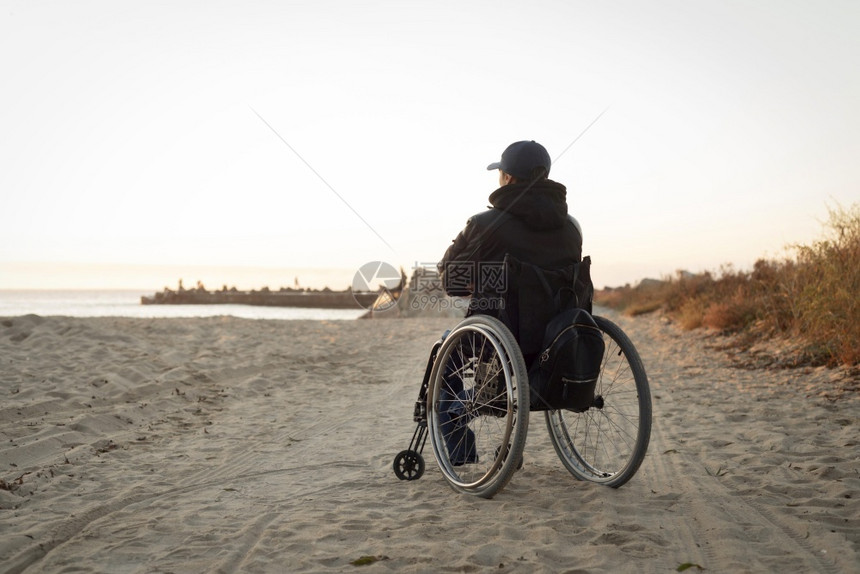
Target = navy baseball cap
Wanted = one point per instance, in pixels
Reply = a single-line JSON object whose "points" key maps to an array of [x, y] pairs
{"points": [[521, 158]]}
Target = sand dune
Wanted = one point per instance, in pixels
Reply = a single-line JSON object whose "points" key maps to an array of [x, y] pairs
{"points": [[224, 445]]}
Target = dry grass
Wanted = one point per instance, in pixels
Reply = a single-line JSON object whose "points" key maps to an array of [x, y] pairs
{"points": [[813, 296]]}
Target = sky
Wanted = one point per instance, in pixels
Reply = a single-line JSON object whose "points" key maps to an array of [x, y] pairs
{"points": [[299, 140]]}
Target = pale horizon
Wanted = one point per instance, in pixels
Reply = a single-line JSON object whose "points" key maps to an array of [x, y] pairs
{"points": [[325, 135]]}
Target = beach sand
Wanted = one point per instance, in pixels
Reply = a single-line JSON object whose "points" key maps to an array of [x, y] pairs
{"points": [[233, 445]]}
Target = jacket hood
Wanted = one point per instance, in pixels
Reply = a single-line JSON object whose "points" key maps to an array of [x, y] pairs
{"points": [[542, 205]]}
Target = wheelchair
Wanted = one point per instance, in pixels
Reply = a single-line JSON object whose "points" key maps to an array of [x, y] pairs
{"points": [[474, 405]]}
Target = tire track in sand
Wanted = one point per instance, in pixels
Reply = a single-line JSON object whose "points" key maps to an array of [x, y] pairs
{"points": [[713, 517], [235, 469]]}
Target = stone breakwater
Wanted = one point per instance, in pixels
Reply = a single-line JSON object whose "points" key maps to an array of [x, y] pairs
{"points": [[325, 299]]}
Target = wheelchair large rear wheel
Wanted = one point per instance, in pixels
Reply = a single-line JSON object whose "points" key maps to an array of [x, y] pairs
{"points": [[607, 443], [478, 406]]}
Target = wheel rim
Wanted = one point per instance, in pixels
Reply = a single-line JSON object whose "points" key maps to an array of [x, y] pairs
{"points": [[607, 442], [490, 416]]}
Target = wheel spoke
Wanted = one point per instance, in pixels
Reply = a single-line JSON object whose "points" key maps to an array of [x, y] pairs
{"points": [[607, 442], [477, 385]]}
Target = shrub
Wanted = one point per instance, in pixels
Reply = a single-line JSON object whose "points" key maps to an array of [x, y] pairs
{"points": [[814, 297]]}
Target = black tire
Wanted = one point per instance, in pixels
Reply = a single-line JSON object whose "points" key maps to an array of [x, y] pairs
{"points": [[408, 465], [478, 405], [608, 442]]}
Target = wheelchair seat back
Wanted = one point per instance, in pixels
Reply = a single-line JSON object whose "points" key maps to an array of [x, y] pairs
{"points": [[534, 295]]}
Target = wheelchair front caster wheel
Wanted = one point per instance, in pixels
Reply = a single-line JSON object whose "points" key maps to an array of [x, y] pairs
{"points": [[408, 465]]}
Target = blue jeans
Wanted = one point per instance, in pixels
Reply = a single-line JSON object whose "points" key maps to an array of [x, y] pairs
{"points": [[454, 417]]}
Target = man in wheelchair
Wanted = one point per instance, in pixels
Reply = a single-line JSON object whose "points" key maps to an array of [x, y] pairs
{"points": [[528, 343], [527, 223]]}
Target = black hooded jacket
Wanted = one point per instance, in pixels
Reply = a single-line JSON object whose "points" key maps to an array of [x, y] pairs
{"points": [[527, 221]]}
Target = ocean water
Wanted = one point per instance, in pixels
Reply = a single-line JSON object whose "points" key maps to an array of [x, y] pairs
{"points": [[126, 303]]}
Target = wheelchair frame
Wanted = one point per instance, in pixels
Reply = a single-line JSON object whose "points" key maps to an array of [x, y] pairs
{"points": [[606, 443], [409, 464]]}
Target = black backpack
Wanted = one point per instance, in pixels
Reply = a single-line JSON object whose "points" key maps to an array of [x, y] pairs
{"points": [[549, 312], [565, 373]]}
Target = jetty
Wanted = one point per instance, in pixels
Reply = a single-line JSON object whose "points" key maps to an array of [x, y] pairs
{"points": [[421, 296], [284, 297]]}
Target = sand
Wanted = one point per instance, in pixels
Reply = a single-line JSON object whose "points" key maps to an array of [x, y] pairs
{"points": [[232, 445]]}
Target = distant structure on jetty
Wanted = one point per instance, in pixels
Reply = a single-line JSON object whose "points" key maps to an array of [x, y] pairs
{"points": [[284, 297], [422, 296]]}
